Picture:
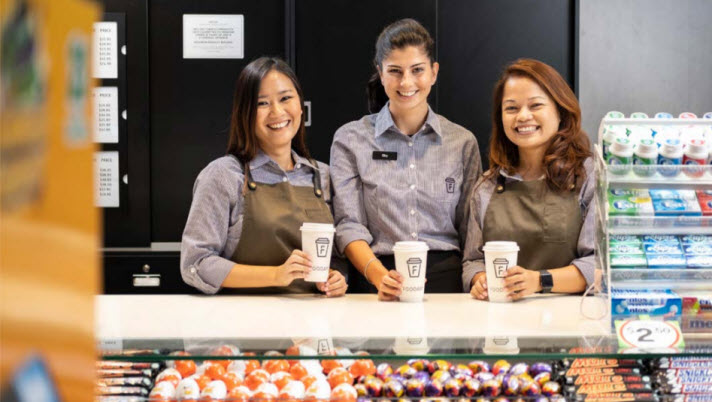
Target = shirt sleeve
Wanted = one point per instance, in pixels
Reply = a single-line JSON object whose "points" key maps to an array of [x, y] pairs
{"points": [[215, 195], [472, 171], [586, 262], [349, 211], [338, 262], [473, 260]]}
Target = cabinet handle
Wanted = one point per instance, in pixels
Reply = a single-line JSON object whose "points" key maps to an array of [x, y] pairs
{"points": [[146, 268]]}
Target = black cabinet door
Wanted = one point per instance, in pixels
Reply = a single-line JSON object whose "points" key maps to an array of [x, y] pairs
{"points": [[191, 99], [476, 39], [335, 44]]}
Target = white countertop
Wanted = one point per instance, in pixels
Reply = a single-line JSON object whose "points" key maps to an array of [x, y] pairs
{"points": [[286, 316]]}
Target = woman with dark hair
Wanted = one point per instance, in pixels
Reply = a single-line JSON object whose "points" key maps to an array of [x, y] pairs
{"points": [[539, 189], [403, 172], [243, 227]]}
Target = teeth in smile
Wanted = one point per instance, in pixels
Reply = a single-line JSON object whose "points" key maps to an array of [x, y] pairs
{"points": [[278, 125], [411, 93], [527, 129]]}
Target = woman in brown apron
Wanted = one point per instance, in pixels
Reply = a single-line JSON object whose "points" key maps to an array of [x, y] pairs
{"points": [[243, 228], [538, 191]]}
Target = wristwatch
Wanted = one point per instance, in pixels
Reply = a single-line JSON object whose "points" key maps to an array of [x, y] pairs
{"points": [[546, 281]]}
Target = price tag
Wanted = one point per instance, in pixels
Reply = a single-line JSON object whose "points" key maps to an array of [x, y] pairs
{"points": [[649, 334]]}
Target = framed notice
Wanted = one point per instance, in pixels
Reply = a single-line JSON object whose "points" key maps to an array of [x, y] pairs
{"points": [[106, 114], [106, 53], [106, 176], [213, 36]]}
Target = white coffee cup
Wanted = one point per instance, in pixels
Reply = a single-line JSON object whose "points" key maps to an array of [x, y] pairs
{"points": [[318, 242], [499, 257], [411, 262]]}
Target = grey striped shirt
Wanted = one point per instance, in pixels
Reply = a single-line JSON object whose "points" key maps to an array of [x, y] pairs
{"points": [[473, 256], [420, 196], [214, 223]]}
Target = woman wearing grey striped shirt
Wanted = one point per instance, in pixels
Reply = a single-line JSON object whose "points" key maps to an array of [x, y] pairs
{"points": [[243, 227], [403, 172]]}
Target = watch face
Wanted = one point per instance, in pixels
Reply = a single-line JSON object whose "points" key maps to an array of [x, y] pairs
{"points": [[546, 281]]}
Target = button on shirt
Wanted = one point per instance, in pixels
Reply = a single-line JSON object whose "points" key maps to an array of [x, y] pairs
{"points": [[473, 257], [419, 196], [214, 223]]}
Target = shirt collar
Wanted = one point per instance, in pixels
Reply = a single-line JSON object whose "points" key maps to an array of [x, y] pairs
{"points": [[384, 121], [516, 176], [262, 158]]}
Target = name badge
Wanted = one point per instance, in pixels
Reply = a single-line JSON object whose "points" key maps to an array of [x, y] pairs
{"points": [[385, 156]]}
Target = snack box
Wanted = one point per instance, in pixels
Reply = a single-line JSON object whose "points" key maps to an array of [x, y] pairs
{"points": [[627, 192], [666, 261], [628, 261], [672, 194], [696, 303], [652, 302], [676, 208], [667, 239], [696, 239], [699, 261], [626, 248], [631, 206], [625, 239], [663, 248]]}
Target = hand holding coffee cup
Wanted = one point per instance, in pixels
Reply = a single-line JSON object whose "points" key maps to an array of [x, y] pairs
{"points": [[411, 259], [500, 256], [317, 242]]}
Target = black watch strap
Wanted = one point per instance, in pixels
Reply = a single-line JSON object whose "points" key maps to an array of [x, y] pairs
{"points": [[546, 281]]}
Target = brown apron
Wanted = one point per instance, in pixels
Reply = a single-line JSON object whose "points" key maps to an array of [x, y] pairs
{"points": [[272, 216], [545, 224]]}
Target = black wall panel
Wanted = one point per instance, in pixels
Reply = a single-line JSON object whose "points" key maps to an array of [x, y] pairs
{"points": [[191, 99], [476, 39], [129, 225], [334, 57]]}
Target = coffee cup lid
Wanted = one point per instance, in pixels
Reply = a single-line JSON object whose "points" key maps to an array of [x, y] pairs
{"points": [[317, 227], [500, 246], [410, 246]]}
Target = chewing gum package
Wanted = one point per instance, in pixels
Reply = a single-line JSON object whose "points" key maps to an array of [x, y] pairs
{"points": [[657, 303]]}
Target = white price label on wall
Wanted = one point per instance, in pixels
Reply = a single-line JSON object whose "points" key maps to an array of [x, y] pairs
{"points": [[649, 334]]}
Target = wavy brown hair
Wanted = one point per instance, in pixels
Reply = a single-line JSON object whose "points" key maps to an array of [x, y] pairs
{"points": [[570, 146], [242, 141]]}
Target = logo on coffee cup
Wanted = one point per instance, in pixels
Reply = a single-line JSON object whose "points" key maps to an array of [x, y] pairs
{"points": [[414, 267], [450, 185], [322, 246], [500, 267], [323, 347]]}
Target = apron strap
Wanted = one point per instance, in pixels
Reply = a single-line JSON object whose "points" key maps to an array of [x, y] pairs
{"points": [[316, 179], [249, 182], [500, 184]]}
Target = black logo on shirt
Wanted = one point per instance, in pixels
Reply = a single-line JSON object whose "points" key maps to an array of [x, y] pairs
{"points": [[450, 185]]}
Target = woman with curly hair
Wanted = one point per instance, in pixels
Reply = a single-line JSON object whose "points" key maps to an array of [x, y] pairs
{"points": [[538, 190]]}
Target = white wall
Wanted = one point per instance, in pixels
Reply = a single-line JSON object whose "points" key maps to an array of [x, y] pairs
{"points": [[644, 56]]}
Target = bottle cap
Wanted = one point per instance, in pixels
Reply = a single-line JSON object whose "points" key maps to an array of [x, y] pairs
{"points": [[697, 146], [647, 146]]}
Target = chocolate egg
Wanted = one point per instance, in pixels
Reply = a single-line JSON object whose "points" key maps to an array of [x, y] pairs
{"points": [[414, 387], [374, 387], [529, 388], [393, 389], [452, 387], [461, 372], [478, 366], [500, 366], [510, 386], [433, 388], [500, 399], [422, 376], [471, 387], [438, 365], [557, 398], [550, 388], [361, 390], [483, 376], [539, 367], [419, 364], [542, 378], [519, 368], [383, 371], [406, 371], [491, 388], [441, 375]]}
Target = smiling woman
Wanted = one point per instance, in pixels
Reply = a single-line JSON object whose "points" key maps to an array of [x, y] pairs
{"points": [[402, 173], [538, 191], [243, 228]]}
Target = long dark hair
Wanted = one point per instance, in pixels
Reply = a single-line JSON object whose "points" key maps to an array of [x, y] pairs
{"points": [[569, 148], [398, 35], [243, 139]]}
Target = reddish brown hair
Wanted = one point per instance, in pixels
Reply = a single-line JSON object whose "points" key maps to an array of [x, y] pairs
{"points": [[569, 148]]}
